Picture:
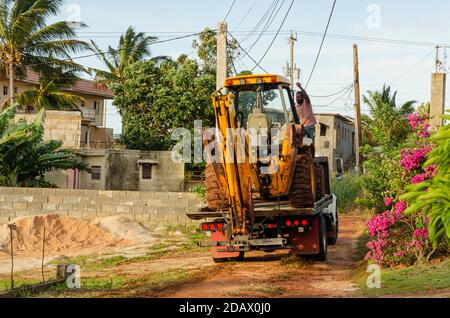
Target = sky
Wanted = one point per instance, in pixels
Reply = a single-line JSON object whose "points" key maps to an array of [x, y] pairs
{"points": [[406, 66]]}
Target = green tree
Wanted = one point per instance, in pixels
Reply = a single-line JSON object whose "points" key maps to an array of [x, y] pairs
{"points": [[158, 97], [206, 47], [133, 47], [387, 123], [49, 95], [26, 40], [25, 158]]}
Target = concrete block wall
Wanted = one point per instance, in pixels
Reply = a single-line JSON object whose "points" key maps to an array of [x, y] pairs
{"points": [[150, 208]]}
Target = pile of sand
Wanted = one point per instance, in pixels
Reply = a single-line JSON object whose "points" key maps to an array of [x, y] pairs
{"points": [[122, 227], [64, 235]]}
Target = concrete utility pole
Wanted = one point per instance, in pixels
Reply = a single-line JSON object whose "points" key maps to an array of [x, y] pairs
{"points": [[438, 90], [222, 58], [292, 69], [358, 127]]}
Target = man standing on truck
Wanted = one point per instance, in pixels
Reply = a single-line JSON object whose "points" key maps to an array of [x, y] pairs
{"points": [[305, 112]]}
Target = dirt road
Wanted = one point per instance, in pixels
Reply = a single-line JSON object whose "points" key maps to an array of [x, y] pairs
{"points": [[277, 275]]}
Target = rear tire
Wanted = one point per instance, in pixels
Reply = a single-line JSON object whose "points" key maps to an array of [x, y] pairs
{"points": [[303, 188], [323, 255], [333, 240], [214, 196]]}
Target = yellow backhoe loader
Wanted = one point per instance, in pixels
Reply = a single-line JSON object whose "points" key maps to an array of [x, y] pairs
{"points": [[265, 190]]}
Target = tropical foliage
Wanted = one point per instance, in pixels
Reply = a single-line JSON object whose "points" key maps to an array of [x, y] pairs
{"points": [[50, 95], [156, 97], [387, 124], [133, 47], [25, 158], [431, 196], [27, 41]]}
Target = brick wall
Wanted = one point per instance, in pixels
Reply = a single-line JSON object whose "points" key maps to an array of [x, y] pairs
{"points": [[150, 208]]}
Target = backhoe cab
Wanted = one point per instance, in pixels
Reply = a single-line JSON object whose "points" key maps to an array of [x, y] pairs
{"points": [[264, 188]]}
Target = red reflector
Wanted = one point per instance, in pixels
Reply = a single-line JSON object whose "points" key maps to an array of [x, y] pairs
{"points": [[305, 222], [288, 223], [272, 226], [220, 226], [205, 227], [296, 222], [212, 227]]}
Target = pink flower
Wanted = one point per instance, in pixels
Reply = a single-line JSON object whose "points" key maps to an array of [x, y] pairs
{"points": [[419, 178], [399, 254], [388, 201], [399, 209], [421, 233]]}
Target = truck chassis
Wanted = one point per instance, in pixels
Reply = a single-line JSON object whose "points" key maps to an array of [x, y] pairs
{"points": [[277, 226]]}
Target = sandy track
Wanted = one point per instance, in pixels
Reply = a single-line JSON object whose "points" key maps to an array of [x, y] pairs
{"points": [[270, 275]]}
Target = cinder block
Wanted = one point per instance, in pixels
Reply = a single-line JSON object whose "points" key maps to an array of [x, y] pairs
{"points": [[34, 191], [75, 214], [108, 208], [123, 209], [70, 200], [21, 213], [141, 217], [103, 214], [7, 190], [154, 202], [133, 194], [107, 194], [6, 206], [49, 207], [89, 215], [20, 206], [93, 208], [166, 210], [65, 207], [55, 199], [137, 209], [151, 209], [39, 199], [2, 197]]}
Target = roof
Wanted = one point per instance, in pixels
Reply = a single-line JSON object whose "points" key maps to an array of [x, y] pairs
{"points": [[82, 86], [256, 79], [342, 117]]}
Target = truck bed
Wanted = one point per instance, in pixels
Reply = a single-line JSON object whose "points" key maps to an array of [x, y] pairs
{"points": [[264, 208]]}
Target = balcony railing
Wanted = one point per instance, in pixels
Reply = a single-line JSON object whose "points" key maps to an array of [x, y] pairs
{"points": [[97, 145], [88, 114]]}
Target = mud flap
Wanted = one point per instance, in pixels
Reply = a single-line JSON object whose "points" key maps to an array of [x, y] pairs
{"points": [[217, 251], [306, 243]]}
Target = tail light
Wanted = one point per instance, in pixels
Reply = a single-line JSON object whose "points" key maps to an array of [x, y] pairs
{"points": [[212, 227], [297, 223], [288, 223], [304, 222]]}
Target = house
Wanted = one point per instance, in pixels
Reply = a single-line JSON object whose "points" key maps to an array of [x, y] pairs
{"points": [[335, 138], [84, 131]]}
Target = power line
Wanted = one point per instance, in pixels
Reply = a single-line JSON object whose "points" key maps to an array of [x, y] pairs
{"points": [[268, 24], [245, 16], [321, 44], [334, 94], [249, 56], [335, 100], [229, 11], [411, 68], [260, 22], [103, 52], [276, 35]]}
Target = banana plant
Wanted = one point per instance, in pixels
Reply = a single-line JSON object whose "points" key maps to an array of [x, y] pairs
{"points": [[432, 197], [25, 157]]}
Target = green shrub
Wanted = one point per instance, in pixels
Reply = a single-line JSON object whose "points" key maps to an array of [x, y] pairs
{"points": [[347, 190]]}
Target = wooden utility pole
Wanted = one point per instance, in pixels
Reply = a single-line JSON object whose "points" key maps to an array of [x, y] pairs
{"points": [[222, 58], [292, 70], [358, 127]]}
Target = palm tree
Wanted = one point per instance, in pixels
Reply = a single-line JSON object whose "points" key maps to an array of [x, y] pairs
{"points": [[49, 95], [133, 47], [387, 121], [27, 41], [25, 158]]}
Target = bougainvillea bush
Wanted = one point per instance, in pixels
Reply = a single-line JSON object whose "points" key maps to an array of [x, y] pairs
{"points": [[401, 234]]}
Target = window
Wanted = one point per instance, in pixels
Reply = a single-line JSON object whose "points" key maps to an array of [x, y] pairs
{"points": [[323, 130], [5, 90], [97, 107], [146, 171], [16, 90], [96, 173]]}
